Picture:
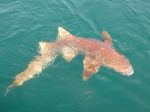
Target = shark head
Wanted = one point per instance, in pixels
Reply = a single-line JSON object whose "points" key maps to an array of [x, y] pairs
{"points": [[113, 59], [123, 66], [120, 64]]}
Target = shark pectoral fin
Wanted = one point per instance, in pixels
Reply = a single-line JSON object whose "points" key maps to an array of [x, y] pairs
{"points": [[91, 66], [107, 38], [86, 75], [68, 53]]}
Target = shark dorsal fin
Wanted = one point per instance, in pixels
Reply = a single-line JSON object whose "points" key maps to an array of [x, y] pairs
{"points": [[63, 33], [107, 38]]}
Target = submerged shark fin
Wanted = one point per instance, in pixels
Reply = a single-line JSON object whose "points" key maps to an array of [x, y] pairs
{"points": [[62, 33], [91, 65], [107, 38], [68, 53]]}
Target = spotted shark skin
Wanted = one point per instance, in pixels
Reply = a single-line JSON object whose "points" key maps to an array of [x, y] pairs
{"points": [[97, 53]]}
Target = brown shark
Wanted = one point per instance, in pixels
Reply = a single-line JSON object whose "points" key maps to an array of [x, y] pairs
{"points": [[97, 54]]}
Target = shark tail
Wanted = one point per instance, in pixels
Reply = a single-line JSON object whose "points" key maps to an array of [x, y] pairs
{"points": [[47, 55]]}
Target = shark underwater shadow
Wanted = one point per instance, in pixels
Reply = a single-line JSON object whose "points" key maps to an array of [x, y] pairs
{"points": [[97, 53]]}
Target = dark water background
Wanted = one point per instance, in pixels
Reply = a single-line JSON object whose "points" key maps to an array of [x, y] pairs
{"points": [[23, 23]]}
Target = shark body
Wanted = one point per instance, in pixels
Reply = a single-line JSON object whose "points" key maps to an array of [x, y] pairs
{"points": [[97, 54]]}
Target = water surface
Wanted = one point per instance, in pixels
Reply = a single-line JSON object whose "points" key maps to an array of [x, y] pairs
{"points": [[60, 87]]}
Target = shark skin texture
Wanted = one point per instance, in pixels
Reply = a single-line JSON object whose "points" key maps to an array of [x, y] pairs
{"points": [[97, 53]]}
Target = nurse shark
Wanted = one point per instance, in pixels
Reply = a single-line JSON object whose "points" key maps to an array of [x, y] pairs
{"points": [[97, 53]]}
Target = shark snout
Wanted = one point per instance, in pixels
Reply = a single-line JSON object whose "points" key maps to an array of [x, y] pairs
{"points": [[130, 71]]}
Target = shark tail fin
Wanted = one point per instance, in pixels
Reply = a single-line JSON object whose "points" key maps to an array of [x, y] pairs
{"points": [[9, 88], [47, 56]]}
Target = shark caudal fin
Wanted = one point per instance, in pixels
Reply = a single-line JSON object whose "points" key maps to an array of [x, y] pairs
{"points": [[47, 55], [67, 51]]}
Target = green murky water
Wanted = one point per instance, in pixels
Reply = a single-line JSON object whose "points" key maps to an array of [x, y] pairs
{"points": [[23, 23]]}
